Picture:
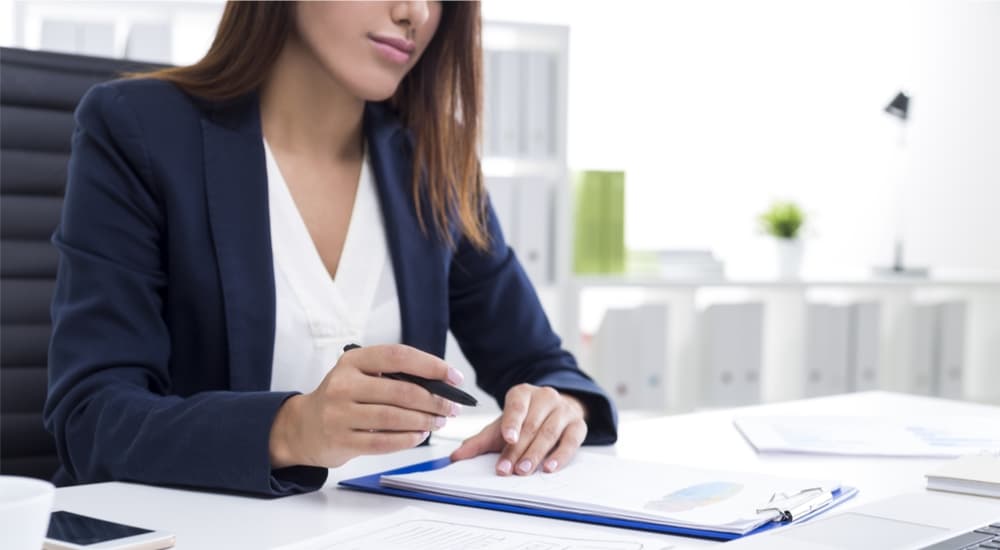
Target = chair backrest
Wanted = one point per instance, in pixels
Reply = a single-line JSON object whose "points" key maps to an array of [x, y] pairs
{"points": [[38, 93]]}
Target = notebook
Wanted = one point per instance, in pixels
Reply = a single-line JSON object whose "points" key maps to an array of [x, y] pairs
{"points": [[613, 491], [972, 474]]}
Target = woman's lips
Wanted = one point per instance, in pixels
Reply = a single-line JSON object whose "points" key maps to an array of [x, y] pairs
{"points": [[393, 49]]}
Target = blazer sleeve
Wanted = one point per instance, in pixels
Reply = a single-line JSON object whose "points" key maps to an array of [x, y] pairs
{"points": [[500, 326], [109, 404]]}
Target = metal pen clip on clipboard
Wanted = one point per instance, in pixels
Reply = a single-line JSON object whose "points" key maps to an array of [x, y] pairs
{"points": [[797, 505]]}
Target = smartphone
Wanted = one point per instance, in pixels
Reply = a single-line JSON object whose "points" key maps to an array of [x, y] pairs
{"points": [[69, 531]]}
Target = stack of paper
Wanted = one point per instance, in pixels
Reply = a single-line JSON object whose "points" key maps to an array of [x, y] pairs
{"points": [[623, 489], [931, 437], [690, 264]]}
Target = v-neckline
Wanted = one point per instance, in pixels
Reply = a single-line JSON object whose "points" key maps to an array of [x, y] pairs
{"points": [[335, 304]]}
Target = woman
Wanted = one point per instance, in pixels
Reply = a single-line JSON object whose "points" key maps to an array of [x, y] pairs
{"points": [[230, 226]]}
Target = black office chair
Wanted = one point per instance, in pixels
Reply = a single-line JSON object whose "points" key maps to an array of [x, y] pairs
{"points": [[38, 93]]}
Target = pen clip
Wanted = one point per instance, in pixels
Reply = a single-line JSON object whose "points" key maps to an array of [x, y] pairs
{"points": [[795, 506]]}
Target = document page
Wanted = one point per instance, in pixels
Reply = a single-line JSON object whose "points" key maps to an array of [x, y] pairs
{"points": [[929, 437], [609, 486], [415, 529]]}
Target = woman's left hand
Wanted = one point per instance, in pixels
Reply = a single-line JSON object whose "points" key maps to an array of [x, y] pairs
{"points": [[538, 424]]}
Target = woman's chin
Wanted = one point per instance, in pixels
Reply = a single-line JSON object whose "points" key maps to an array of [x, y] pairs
{"points": [[376, 89]]}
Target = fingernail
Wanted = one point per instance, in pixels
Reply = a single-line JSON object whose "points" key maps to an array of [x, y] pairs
{"points": [[454, 376], [439, 421], [510, 434], [456, 409], [551, 465], [503, 466], [425, 436], [524, 466]]}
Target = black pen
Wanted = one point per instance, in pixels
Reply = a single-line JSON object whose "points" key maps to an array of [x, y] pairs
{"points": [[437, 387]]}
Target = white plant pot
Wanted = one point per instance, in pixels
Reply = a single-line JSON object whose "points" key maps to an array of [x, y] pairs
{"points": [[789, 253]]}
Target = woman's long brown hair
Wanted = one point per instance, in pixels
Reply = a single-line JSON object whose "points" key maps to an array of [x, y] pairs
{"points": [[439, 101]]}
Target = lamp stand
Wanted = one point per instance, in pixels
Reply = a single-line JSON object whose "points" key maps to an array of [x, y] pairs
{"points": [[899, 109], [898, 268]]}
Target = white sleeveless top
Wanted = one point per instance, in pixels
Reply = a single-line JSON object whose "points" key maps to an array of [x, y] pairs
{"points": [[316, 315]]}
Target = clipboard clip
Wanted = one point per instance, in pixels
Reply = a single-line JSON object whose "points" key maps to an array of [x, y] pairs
{"points": [[797, 505]]}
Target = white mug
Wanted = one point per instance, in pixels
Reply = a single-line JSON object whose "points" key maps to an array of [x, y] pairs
{"points": [[25, 505]]}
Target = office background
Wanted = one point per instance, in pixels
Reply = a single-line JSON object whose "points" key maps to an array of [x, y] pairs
{"points": [[713, 110]]}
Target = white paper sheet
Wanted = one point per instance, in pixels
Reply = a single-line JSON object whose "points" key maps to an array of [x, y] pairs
{"points": [[415, 529], [614, 487], [932, 437]]}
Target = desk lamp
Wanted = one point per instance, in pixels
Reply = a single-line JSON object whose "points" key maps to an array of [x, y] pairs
{"points": [[899, 108]]}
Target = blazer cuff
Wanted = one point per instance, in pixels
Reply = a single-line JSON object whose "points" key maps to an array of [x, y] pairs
{"points": [[298, 479], [274, 482], [602, 417], [602, 423]]}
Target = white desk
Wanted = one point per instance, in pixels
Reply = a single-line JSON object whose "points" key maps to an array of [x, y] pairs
{"points": [[708, 439]]}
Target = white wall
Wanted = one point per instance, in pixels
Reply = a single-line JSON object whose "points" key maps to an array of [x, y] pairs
{"points": [[7, 23], [715, 107]]}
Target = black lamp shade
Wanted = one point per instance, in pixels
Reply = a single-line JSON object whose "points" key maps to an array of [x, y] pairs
{"points": [[899, 106]]}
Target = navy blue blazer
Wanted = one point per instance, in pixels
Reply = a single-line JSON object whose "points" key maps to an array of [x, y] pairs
{"points": [[163, 312]]}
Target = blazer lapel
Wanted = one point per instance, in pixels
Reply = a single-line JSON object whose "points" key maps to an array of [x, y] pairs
{"points": [[236, 192], [417, 259]]}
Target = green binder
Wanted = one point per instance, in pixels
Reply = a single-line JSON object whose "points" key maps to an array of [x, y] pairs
{"points": [[599, 243]]}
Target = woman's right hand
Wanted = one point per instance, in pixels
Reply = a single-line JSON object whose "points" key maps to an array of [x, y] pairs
{"points": [[355, 411]]}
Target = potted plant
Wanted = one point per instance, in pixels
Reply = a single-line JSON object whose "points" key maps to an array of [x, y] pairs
{"points": [[784, 221]]}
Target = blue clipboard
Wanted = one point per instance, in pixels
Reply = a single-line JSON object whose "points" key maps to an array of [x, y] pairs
{"points": [[370, 483]]}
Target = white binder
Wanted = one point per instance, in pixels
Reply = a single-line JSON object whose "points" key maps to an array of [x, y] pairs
{"points": [[732, 337], [653, 332], [950, 357], [491, 103], [863, 365], [827, 349], [615, 357], [538, 110], [503, 195], [524, 209], [534, 215], [938, 345], [922, 377], [508, 86]]}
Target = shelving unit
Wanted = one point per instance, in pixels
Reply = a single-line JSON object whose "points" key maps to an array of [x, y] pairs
{"points": [[525, 69], [524, 155], [785, 327]]}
